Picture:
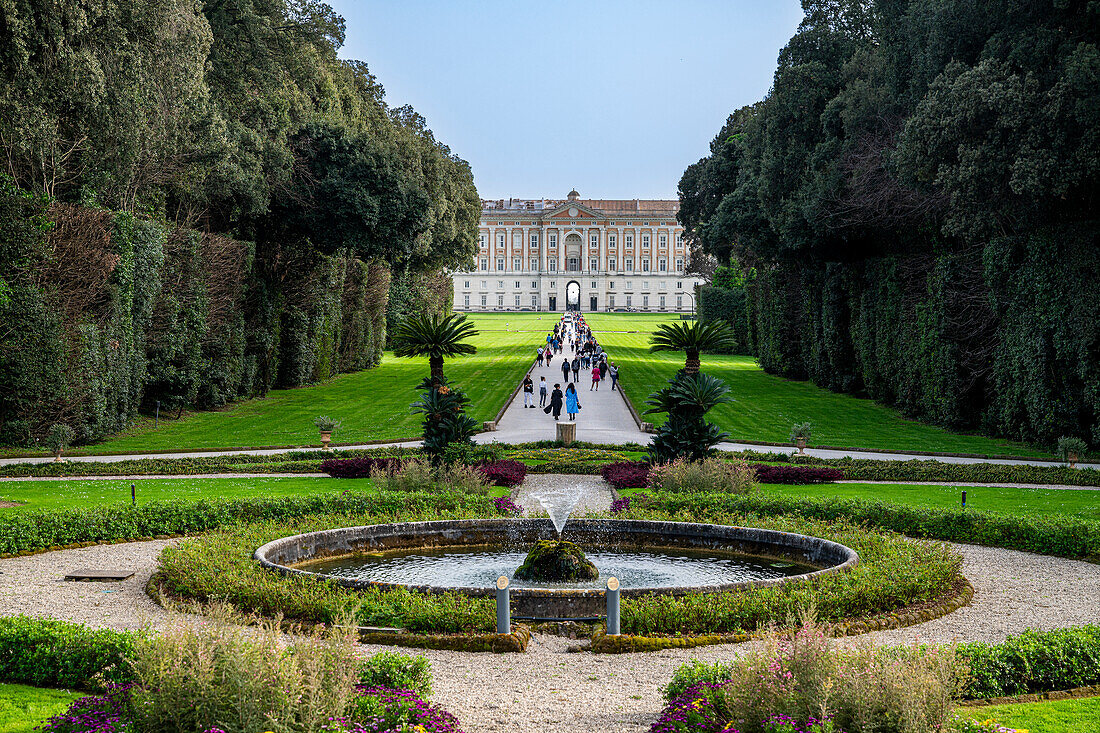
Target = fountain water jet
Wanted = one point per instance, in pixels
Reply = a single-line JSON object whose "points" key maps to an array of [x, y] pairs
{"points": [[559, 503]]}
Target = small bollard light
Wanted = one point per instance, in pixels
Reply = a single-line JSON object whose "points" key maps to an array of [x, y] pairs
{"points": [[964, 500], [504, 606], [612, 606], [133, 494]]}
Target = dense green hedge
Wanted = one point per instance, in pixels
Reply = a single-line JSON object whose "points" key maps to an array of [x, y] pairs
{"points": [[52, 653], [729, 305], [1034, 661], [33, 531], [1062, 536]]}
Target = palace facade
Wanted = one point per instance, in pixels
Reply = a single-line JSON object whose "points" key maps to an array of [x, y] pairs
{"points": [[578, 254]]}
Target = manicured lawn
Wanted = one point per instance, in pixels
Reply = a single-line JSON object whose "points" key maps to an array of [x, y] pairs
{"points": [[72, 494], [765, 406], [1051, 716], [22, 708], [1084, 504], [373, 405]]}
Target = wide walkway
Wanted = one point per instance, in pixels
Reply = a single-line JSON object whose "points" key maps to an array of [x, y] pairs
{"points": [[603, 418]]}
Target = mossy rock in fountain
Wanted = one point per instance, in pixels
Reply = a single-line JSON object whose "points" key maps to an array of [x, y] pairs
{"points": [[551, 561]]}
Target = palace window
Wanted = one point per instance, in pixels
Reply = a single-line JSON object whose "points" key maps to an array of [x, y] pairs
{"points": [[661, 305], [628, 240], [552, 284], [611, 301], [645, 264], [500, 301], [662, 264], [594, 285], [610, 284], [662, 241], [573, 264], [645, 301], [628, 264], [467, 283], [517, 284], [517, 240], [553, 241], [500, 241], [679, 241], [679, 301], [645, 285], [534, 241], [500, 264], [484, 284], [515, 263], [594, 241], [534, 264], [611, 265], [466, 301], [664, 285], [611, 241], [594, 264], [679, 264], [517, 301], [679, 285], [645, 241], [553, 265], [483, 301], [484, 264], [482, 239], [500, 283], [534, 284], [534, 301], [628, 301]]}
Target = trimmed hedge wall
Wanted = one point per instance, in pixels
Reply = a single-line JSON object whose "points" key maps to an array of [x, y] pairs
{"points": [[1034, 661], [52, 653]]}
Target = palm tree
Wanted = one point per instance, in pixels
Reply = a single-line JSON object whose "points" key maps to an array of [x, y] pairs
{"points": [[693, 338], [435, 337]]}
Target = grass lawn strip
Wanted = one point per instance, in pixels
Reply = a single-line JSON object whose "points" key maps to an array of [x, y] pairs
{"points": [[22, 708], [1077, 715], [765, 406]]}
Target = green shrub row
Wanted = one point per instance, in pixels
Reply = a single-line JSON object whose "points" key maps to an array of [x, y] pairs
{"points": [[864, 469], [892, 573], [52, 653], [1034, 661], [34, 531], [218, 566], [1062, 536]]}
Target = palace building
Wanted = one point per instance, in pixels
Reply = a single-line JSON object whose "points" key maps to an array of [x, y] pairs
{"points": [[578, 254]]}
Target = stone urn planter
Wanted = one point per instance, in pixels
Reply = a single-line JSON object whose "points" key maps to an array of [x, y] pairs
{"points": [[326, 438], [57, 455], [1071, 459], [801, 443]]}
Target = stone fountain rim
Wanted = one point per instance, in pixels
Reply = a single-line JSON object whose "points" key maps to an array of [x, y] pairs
{"points": [[842, 557]]}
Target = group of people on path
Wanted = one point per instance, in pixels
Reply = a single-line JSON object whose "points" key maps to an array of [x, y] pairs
{"points": [[588, 355]]}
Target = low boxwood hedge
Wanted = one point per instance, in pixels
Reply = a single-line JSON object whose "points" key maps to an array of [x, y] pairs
{"points": [[34, 531], [1034, 661], [1062, 536], [52, 653]]}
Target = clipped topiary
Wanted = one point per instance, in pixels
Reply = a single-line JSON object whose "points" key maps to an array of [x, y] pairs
{"points": [[554, 561]]}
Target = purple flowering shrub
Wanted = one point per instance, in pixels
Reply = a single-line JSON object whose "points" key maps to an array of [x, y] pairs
{"points": [[694, 711], [504, 473], [360, 467], [382, 710], [626, 474], [505, 505], [796, 474], [107, 713], [626, 503]]}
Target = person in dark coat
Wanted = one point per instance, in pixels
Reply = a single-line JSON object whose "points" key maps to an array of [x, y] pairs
{"points": [[576, 369], [565, 370], [556, 400]]}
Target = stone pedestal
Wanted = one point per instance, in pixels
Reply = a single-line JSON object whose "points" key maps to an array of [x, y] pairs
{"points": [[567, 432]]}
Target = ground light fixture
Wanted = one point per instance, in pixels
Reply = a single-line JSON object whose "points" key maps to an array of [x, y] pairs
{"points": [[612, 606], [504, 606]]}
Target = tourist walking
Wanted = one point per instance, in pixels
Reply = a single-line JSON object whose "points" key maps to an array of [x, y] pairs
{"points": [[528, 392], [539, 358], [542, 391], [572, 404], [614, 372], [565, 370], [576, 369], [596, 376], [555, 402]]}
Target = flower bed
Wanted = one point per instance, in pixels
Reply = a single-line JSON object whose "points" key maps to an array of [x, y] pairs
{"points": [[360, 467], [626, 474], [504, 473]]}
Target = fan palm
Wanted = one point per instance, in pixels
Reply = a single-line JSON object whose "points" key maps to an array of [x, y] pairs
{"points": [[692, 338], [435, 337]]}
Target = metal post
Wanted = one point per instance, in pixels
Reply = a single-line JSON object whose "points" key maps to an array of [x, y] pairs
{"points": [[133, 494], [504, 606], [612, 606], [964, 500], [156, 420]]}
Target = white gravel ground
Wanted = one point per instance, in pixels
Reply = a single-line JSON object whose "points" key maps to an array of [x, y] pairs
{"points": [[547, 689]]}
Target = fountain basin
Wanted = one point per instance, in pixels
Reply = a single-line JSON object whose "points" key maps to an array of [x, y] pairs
{"points": [[823, 556]]}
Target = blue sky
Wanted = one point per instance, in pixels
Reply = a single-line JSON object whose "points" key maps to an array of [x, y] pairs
{"points": [[613, 98]]}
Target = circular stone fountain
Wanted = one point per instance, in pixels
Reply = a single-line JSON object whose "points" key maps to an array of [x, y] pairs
{"points": [[466, 556]]}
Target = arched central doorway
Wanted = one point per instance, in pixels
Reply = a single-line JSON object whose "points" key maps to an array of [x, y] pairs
{"points": [[573, 296]]}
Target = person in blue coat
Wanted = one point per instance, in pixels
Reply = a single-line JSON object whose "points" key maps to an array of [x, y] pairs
{"points": [[572, 405]]}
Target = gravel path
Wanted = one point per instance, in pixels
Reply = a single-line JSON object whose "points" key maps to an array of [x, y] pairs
{"points": [[547, 689]]}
